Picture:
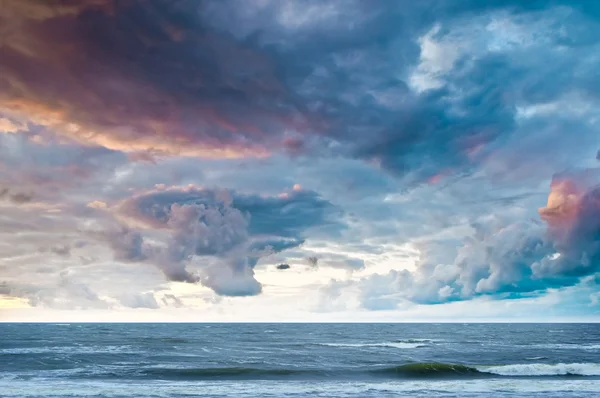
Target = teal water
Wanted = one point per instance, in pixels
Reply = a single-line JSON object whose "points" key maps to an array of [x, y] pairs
{"points": [[299, 360]]}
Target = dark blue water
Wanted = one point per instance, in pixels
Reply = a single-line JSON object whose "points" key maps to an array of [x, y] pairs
{"points": [[299, 360]]}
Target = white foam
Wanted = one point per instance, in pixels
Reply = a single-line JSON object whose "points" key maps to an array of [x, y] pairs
{"points": [[567, 346], [390, 344], [542, 369], [70, 350]]}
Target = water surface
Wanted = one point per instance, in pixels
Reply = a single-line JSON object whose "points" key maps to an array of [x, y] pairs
{"points": [[299, 360]]}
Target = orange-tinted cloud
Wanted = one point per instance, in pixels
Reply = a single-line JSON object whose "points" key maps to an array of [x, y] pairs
{"points": [[8, 126], [571, 195], [563, 203], [573, 218], [138, 76]]}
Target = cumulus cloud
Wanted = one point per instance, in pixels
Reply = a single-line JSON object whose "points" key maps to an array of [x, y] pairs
{"points": [[505, 260], [221, 233], [573, 218]]}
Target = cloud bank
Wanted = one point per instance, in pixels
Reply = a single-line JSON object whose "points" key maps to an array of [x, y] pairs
{"points": [[161, 155]]}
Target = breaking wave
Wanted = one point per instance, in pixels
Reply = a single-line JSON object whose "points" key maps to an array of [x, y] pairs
{"points": [[590, 347], [411, 371], [402, 344], [542, 369], [517, 370]]}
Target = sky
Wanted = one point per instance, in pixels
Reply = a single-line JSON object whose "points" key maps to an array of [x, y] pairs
{"points": [[318, 160]]}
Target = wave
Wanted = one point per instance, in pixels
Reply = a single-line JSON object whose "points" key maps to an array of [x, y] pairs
{"points": [[409, 371], [517, 370], [109, 349], [572, 346], [429, 370], [392, 344], [417, 341], [233, 372], [171, 340], [542, 369]]}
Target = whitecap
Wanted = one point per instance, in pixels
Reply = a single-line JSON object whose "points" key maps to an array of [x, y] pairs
{"points": [[400, 345], [542, 369], [70, 350], [567, 346]]}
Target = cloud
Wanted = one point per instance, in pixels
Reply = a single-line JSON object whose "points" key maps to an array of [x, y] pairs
{"points": [[126, 245], [333, 260], [8, 126], [505, 260], [573, 218], [433, 126], [172, 300], [220, 233], [52, 170], [182, 88], [141, 300], [60, 250], [16, 197], [191, 82], [65, 293]]}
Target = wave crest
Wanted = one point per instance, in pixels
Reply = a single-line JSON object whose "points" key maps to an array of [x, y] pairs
{"points": [[430, 369], [232, 372], [542, 369], [434, 370]]}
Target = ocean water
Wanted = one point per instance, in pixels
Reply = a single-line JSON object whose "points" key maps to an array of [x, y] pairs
{"points": [[299, 360]]}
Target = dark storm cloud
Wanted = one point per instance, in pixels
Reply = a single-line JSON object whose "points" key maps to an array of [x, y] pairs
{"points": [[224, 233], [358, 78], [222, 79], [181, 87]]}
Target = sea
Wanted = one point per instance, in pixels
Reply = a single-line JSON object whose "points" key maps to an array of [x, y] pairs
{"points": [[299, 360]]}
